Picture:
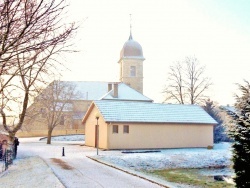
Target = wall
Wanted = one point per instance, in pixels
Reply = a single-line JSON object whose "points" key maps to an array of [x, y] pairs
{"points": [[90, 130], [37, 125], [134, 82], [143, 136], [81, 105]]}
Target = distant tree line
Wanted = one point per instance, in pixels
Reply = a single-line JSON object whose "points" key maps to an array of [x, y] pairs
{"points": [[220, 130]]}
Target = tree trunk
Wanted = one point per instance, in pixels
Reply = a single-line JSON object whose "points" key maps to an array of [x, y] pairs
{"points": [[49, 135], [11, 137]]}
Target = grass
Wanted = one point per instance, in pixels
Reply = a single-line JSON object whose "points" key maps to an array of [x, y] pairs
{"points": [[190, 177]]}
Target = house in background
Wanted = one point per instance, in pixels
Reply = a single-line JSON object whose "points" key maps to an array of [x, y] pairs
{"points": [[71, 121], [143, 125]]}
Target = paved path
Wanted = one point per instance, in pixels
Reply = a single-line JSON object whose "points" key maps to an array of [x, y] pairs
{"points": [[75, 170]]}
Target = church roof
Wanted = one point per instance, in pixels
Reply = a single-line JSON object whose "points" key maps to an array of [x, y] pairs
{"points": [[90, 90], [126, 93], [131, 49], [140, 112]]}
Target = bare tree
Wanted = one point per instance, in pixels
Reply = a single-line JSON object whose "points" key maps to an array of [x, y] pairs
{"points": [[32, 35], [186, 83], [55, 104], [175, 89]]}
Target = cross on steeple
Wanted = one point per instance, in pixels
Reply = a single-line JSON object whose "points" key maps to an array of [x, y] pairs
{"points": [[130, 36]]}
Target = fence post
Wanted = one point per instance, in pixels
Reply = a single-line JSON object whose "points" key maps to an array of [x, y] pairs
{"points": [[63, 152]]}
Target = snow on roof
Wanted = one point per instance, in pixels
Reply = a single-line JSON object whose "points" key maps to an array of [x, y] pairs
{"points": [[126, 93], [229, 109], [121, 111], [89, 90]]}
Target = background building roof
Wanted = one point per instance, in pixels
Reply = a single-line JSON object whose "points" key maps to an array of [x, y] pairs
{"points": [[120, 111], [99, 91], [131, 49], [126, 93]]}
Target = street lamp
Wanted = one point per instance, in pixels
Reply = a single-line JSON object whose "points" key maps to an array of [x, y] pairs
{"points": [[97, 132]]}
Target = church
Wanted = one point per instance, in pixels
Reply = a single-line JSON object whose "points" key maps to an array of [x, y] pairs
{"points": [[116, 115], [142, 124]]}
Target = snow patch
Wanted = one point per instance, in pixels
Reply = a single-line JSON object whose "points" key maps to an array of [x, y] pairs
{"points": [[220, 156]]}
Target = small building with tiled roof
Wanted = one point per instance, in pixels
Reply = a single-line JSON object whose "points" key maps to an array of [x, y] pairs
{"points": [[143, 125]]}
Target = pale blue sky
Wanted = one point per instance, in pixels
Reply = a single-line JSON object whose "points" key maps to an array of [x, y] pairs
{"points": [[217, 32]]}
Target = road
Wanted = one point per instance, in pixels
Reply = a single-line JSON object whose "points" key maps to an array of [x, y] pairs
{"points": [[75, 170]]}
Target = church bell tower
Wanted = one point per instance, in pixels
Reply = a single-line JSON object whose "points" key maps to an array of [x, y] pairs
{"points": [[131, 64]]}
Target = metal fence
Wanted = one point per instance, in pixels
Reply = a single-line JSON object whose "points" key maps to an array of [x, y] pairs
{"points": [[6, 158]]}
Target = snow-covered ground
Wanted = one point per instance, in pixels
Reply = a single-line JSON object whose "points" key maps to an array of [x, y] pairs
{"points": [[78, 137], [74, 170], [209, 161], [220, 156], [80, 169], [21, 172]]}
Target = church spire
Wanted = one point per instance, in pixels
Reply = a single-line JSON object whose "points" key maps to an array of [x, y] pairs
{"points": [[130, 36]]}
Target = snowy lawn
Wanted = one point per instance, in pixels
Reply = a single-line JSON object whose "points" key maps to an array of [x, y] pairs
{"points": [[77, 137], [220, 156], [200, 163]]}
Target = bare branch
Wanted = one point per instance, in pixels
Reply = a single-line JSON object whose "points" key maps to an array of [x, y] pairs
{"points": [[32, 35], [186, 83]]}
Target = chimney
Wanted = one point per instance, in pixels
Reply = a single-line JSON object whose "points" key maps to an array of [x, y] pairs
{"points": [[115, 92], [109, 87]]}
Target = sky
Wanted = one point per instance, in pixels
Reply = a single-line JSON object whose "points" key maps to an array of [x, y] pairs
{"points": [[216, 32]]}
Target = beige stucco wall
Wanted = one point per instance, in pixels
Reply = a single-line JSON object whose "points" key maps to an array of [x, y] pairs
{"points": [[90, 130], [81, 105], [134, 82], [37, 125], [142, 136]]}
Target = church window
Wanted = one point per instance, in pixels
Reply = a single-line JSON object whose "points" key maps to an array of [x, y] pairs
{"points": [[132, 71], [125, 129], [115, 128]]}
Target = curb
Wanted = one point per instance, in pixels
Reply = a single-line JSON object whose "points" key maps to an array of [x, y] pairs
{"points": [[128, 172]]}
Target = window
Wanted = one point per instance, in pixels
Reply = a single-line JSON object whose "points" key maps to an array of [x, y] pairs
{"points": [[125, 129], [115, 128], [62, 120], [132, 71]]}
